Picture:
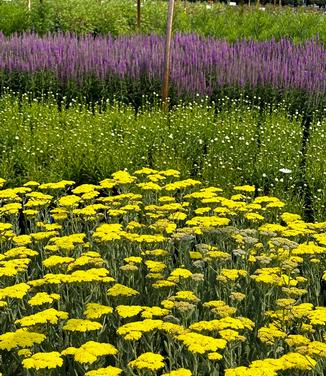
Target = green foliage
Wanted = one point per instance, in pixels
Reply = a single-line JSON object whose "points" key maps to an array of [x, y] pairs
{"points": [[232, 141], [14, 18], [119, 17], [43, 18], [316, 165], [132, 91]]}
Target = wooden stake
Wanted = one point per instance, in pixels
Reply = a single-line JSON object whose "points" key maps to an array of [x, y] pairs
{"points": [[138, 14], [165, 90]]}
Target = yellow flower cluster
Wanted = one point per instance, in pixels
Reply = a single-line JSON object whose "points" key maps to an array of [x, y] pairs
{"points": [[90, 351], [147, 272], [148, 361], [48, 316], [20, 338], [43, 361], [270, 367]]}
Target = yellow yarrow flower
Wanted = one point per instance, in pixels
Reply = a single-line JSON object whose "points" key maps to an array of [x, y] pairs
{"points": [[43, 297], [186, 295], [134, 330], [255, 217], [69, 201], [21, 240], [43, 235], [182, 184], [26, 353], [40, 360], [181, 272], [164, 283], [53, 261], [270, 334], [155, 266], [214, 356], [79, 325], [5, 226], [149, 186], [170, 172], [231, 274], [123, 177], [150, 312], [121, 290], [20, 338], [148, 361], [90, 351], [207, 222], [244, 371], [125, 311], [95, 310], [48, 316], [17, 291], [108, 371], [200, 344], [63, 184], [31, 183], [84, 188], [179, 372], [11, 208], [245, 188]]}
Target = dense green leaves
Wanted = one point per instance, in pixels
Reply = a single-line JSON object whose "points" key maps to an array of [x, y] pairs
{"points": [[232, 141], [119, 17]]}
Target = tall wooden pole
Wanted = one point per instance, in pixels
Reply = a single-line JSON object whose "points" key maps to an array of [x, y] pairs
{"points": [[138, 14], [165, 90]]}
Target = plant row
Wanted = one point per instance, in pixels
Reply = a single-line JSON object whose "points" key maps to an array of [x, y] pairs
{"points": [[146, 273], [230, 141], [129, 67], [119, 17]]}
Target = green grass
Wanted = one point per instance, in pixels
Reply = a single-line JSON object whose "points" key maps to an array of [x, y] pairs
{"points": [[240, 143], [119, 17]]}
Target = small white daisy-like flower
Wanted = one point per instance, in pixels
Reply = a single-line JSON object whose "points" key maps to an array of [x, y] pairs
{"points": [[285, 170]]}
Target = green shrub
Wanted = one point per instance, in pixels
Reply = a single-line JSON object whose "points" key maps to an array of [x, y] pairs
{"points": [[14, 18], [119, 17]]}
